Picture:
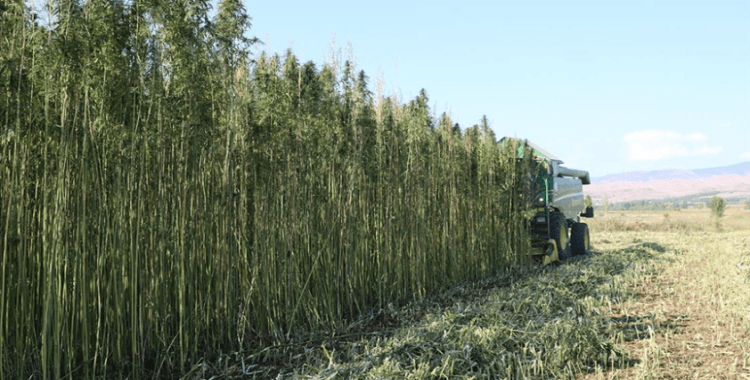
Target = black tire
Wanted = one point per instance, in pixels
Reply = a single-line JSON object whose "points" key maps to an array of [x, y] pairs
{"points": [[558, 231], [580, 241]]}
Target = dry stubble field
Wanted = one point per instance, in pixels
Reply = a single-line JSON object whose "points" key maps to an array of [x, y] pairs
{"points": [[690, 319]]}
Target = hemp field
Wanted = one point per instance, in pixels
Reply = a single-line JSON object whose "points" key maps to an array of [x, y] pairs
{"points": [[661, 297]]}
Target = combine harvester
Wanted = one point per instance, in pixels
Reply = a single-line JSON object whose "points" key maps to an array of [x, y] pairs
{"points": [[556, 229]]}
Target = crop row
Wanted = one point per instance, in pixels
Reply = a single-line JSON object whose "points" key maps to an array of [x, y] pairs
{"points": [[164, 199]]}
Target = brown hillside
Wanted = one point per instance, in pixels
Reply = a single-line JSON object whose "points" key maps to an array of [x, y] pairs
{"points": [[729, 187]]}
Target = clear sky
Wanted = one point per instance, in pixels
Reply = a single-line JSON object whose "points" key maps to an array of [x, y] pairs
{"points": [[635, 85]]}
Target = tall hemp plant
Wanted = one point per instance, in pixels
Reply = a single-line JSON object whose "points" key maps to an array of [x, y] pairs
{"points": [[167, 201]]}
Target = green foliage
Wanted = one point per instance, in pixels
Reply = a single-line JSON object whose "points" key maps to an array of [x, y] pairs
{"points": [[166, 199], [747, 205], [531, 323], [670, 204], [718, 205]]}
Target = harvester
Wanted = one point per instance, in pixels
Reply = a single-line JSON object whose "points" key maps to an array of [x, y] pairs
{"points": [[555, 227]]}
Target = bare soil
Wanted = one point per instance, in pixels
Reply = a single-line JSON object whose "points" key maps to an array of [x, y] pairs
{"points": [[683, 324]]}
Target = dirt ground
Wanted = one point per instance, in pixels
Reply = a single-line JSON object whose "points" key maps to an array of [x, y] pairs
{"points": [[691, 320]]}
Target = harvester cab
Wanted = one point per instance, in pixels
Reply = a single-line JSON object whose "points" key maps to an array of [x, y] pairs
{"points": [[555, 228]]}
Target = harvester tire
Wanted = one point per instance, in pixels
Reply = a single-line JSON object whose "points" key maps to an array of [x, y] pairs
{"points": [[558, 231], [579, 239]]}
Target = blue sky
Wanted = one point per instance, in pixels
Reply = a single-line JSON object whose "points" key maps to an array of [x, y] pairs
{"points": [[607, 88]]}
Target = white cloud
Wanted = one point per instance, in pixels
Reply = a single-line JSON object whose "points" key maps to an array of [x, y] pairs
{"points": [[706, 150], [657, 145], [745, 156], [697, 137]]}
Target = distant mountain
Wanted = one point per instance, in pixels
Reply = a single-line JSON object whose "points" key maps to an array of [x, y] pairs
{"points": [[741, 169], [730, 182], [733, 188]]}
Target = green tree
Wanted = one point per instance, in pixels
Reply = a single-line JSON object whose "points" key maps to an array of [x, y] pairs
{"points": [[718, 205], [605, 204]]}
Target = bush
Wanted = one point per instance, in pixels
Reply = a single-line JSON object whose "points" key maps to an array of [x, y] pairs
{"points": [[718, 205]]}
